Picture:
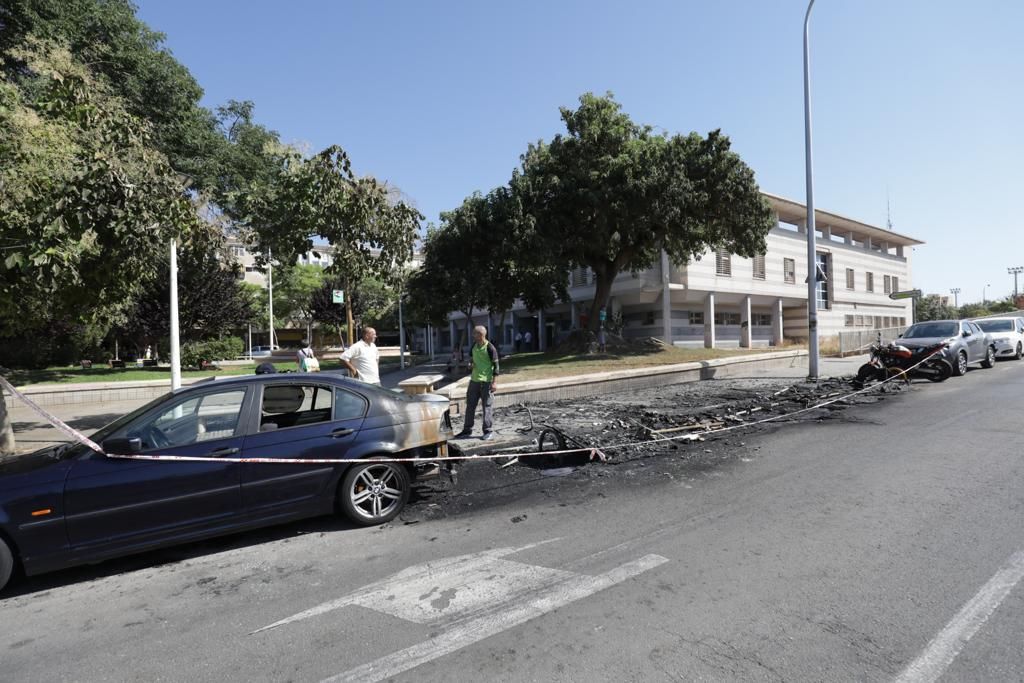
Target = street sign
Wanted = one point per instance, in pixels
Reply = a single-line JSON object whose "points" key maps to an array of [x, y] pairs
{"points": [[906, 294], [337, 296], [602, 315]]}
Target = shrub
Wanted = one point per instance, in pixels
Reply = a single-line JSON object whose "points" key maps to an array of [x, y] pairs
{"points": [[194, 353]]}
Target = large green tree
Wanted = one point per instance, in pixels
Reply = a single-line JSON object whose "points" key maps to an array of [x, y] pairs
{"points": [[610, 194], [321, 197]]}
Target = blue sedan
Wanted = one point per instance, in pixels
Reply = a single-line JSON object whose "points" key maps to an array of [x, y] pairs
{"points": [[69, 505]]}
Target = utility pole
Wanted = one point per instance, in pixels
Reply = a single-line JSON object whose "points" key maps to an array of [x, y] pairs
{"points": [[270, 296], [956, 297], [812, 270], [175, 336], [1015, 271]]}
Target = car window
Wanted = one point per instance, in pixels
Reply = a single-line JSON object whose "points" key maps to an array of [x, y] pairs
{"points": [[347, 405], [975, 328], [965, 326], [190, 420], [931, 329], [295, 405], [996, 325]]}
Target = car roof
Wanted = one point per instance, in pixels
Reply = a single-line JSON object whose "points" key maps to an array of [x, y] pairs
{"points": [[281, 377]]}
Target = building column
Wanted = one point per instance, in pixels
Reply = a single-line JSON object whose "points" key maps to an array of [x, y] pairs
{"points": [[666, 299], [541, 331], [777, 322], [451, 332], [709, 321], [574, 320], [746, 333]]}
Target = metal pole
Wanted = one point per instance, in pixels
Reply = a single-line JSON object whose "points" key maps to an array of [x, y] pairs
{"points": [[401, 334], [270, 297], [956, 296], [175, 339], [1015, 270], [812, 280], [250, 341]]}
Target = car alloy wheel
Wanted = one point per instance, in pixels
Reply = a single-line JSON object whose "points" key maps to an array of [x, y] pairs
{"points": [[374, 493], [961, 364], [6, 563], [1020, 352], [990, 358]]}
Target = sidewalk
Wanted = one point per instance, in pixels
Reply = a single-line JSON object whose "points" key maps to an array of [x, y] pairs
{"points": [[32, 431]]}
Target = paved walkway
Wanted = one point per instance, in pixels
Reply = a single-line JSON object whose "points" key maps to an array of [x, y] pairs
{"points": [[31, 431]]}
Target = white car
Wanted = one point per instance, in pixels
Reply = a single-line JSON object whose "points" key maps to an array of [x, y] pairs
{"points": [[1007, 335]]}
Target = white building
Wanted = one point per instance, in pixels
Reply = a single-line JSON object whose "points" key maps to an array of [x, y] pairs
{"points": [[726, 300]]}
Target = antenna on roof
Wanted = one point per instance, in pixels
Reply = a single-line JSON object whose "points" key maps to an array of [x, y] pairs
{"points": [[888, 211]]}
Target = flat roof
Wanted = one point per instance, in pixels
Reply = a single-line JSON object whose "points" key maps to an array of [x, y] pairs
{"points": [[793, 211]]}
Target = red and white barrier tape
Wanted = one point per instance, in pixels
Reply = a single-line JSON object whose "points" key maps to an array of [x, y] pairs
{"points": [[595, 452]]}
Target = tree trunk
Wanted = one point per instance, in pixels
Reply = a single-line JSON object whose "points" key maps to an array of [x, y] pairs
{"points": [[6, 428], [602, 291]]}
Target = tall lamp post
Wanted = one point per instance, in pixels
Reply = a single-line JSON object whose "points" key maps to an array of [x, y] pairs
{"points": [[984, 294], [956, 297], [175, 337], [812, 271], [1015, 271]]}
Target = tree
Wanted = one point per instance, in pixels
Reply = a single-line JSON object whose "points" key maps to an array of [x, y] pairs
{"points": [[931, 308], [87, 205], [321, 196], [611, 194], [211, 299]]}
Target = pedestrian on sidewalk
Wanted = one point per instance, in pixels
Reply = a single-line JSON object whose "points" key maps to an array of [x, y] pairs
{"points": [[528, 341], [306, 358], [482, 383], [519, 340], [362, 358]]}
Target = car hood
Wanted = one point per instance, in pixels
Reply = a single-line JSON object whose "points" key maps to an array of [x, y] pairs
{"points": [[918, 342], [1001, 335], [42, 466]]}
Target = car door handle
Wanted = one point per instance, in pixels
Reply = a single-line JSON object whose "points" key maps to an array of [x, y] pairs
{"points": [[342, 431], [220, 452]]}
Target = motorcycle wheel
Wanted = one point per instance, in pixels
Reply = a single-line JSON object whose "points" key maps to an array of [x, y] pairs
{"points": [[868, 372], [941, 370]]}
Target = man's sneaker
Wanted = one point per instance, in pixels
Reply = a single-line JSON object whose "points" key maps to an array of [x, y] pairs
{"points": [[487, 437], [463, 435]]}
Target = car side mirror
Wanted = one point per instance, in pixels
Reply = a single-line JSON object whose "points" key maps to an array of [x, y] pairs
{"points": [[967, 333], [123, 445]]}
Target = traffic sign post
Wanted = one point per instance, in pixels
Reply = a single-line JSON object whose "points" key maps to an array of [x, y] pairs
{"points": [[337, 296], [906, 294]]}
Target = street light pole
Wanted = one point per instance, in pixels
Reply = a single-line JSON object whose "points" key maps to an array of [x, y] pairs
{"points": [[984, 297], [175, 337], [812, 271], [956, 298], [1015, 271], [270, 296]]}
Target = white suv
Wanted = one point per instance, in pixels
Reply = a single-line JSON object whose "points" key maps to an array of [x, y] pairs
{"points": [[1007, 335]]}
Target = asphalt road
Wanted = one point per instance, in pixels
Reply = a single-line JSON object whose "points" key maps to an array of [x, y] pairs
{"points": [[883, 545]]}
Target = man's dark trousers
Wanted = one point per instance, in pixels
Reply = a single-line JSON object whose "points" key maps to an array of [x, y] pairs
{"points": [[477, 392]]}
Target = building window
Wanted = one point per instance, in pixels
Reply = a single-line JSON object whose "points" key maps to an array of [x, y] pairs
{"points": [[723, 263], [759, 267], [903, 322], [648, 317], [878, 322], [238, 252], [696, 317], [824, 286], [849, 278], [887, 285], [895, 284], [869, 282], [789, 270], [848, 321], [722, 318], [761, 319]]}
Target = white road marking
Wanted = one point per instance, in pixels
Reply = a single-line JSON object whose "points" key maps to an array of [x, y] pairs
{"points": [[477, 629], [944, 648]]}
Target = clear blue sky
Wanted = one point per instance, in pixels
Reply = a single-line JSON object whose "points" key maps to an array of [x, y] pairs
{"points": [[918, 100]]}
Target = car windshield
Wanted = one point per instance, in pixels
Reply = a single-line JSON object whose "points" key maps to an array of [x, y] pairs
{"points": [[996, 325], [73, 449], [933, 329]]}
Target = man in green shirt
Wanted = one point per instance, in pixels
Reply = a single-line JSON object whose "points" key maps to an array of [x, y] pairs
{"points": [[482, 383]]}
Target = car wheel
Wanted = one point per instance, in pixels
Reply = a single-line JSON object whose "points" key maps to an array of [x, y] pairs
{"points": [[374, 493], [6, 564], [960, 369], [1020, 352], [990, 358]]}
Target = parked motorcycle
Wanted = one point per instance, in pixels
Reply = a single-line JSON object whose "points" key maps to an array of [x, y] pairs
{"points": [[888, 360]]}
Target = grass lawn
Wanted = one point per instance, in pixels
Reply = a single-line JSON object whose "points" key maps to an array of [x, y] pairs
{"points": [[75, 374], [529, 366]]}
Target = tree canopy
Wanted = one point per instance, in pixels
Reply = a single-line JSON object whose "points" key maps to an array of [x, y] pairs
{"points": [[610, 194]]}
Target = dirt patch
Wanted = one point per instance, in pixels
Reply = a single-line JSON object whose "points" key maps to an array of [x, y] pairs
{"points": [[665, 433]]}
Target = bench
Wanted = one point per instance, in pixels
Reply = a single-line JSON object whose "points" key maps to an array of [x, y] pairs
{"points": [[420, 384]]}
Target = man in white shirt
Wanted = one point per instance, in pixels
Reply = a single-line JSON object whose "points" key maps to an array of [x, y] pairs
{"points": [[361, 358]]}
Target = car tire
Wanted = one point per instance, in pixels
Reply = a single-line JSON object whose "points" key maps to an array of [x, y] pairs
{"points": [[1020, 352], [374, 493], [6, 563], [990, 358], [960, 369]]}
